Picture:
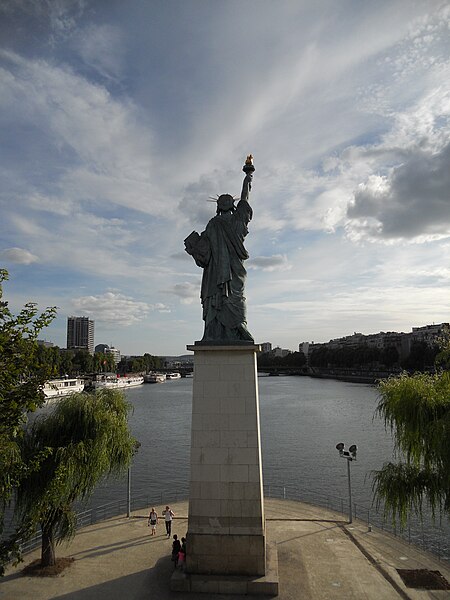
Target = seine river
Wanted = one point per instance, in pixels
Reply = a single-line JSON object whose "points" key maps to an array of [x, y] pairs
{"points": [[302, 420]]}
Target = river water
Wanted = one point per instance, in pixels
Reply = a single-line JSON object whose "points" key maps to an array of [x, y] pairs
{"points": [[302, 420]]}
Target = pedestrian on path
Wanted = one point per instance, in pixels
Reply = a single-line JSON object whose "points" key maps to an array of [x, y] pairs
{"points": [[176, 547], [153, 521], [182, 554], [168, 517]]}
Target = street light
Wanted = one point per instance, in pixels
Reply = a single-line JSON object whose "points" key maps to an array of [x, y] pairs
{"points": [[350, 455], [136, 448]]}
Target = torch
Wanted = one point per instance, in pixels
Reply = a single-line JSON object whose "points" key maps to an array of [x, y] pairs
{"points": [[249, 168]]}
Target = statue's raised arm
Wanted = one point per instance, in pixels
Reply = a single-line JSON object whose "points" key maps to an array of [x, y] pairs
{"points": [[220, 251], [248, 169]]}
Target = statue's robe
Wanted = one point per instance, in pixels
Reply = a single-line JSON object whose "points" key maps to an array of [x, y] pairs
{"points": [[222, 291]]}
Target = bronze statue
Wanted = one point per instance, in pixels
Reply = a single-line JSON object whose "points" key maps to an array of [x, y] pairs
{"points": [[220, 251]]}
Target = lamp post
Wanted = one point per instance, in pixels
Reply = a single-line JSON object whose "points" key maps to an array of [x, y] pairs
{"points": [[129, 492], [350, 455], [136, 448]]}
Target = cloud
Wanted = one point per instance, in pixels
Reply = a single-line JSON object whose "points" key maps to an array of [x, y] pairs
{"points": [[269, 263], [188, 292], [96, 147], [114, 139], [60, 15], [412, 201], [101, 48], [198, 200], [19, 256], [114, 307], [184, 256]]}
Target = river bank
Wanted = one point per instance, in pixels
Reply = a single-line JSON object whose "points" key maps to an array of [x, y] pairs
{"points": [[351, 375]]}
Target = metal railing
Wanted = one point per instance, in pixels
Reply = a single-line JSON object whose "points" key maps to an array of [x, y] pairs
{"points": [[433, 538], [101, 512]]}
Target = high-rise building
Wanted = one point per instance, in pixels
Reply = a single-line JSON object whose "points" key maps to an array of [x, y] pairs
{"points": [[80, 334]]}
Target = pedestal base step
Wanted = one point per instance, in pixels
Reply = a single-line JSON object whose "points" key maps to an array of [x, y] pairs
{"points": [[266, 585]]}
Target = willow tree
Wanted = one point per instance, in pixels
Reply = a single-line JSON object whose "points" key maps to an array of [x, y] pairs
{"points": [[87, 439], [417, 410], [21, 379]]}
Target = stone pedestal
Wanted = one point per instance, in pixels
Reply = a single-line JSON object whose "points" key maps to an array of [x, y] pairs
{"points": [[226, 526]]}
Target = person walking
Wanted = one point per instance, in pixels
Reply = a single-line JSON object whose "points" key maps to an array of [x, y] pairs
{"points": [[153, 521], [168, 517]]}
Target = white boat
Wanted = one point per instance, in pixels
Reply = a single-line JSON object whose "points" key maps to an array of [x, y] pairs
{"points": [[115, 382], [62, 387], [155, 378], [173, 376]]}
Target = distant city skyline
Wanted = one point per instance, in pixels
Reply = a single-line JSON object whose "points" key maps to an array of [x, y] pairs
{"points": [[119, 121], [428, 333]]}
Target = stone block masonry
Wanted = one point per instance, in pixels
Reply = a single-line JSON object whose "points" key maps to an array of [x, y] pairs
{"points": [[226, 526]]}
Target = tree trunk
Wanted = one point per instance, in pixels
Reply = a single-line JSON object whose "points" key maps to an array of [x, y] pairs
{"points": [[48, 557]]}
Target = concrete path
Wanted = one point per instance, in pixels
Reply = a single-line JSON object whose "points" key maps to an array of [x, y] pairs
{"points": [[320, 558]]}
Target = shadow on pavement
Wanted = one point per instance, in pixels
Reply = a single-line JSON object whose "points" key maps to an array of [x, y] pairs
{"points": [[151, 583]]}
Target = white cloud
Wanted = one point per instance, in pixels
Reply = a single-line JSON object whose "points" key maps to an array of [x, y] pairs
{"points": [[119, 122], [187, 292], [109, 147], [114, 307], [269, 263], [19, 256], [55, 205]]}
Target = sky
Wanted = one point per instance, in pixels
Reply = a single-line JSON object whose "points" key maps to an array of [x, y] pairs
{"points": [[119, 120]]}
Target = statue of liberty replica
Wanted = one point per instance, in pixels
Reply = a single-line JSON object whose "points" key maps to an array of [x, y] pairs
{"points": [[226, 533], [220, 251]]}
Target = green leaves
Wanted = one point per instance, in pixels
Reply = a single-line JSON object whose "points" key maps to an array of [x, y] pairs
{"points": [[86, 438], [21, 379], [417, 409]]}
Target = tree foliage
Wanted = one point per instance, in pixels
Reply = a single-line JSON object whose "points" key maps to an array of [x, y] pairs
{"points": [[443, 357], [136, 364], [21, 380], [87, 438], [421, 356], [293, 359], [61, 362], [417, 410], [104, 362], [362, 356]]}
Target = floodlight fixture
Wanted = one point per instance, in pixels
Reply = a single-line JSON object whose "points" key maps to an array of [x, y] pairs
{"points": [[350, 455]]}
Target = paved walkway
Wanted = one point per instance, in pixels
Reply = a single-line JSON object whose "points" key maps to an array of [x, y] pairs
{"points": [[320, 558]]}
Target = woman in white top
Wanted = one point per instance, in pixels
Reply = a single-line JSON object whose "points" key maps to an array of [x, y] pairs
{"points": [[153, 520]]}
